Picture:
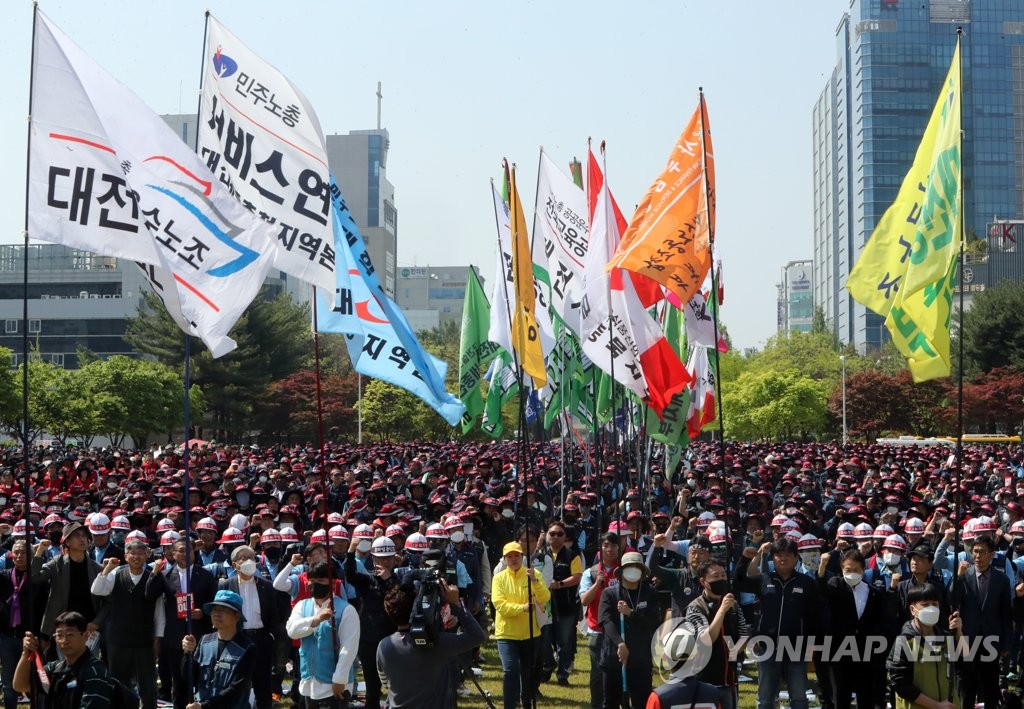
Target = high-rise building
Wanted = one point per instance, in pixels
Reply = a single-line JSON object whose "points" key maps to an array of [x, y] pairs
{"points": [[796, 299], [892, 56], [359, 163]]}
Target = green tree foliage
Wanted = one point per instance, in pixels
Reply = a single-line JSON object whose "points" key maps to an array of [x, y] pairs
{"points": [[274, 341], [775, 405], [389, 413], [994, 329]]}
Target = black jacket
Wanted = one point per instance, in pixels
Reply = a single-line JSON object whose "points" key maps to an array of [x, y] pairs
{"points": [[640, 625], [269, 602], [204, 588], [789, 608]]}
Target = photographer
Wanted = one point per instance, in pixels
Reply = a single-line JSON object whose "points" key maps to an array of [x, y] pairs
{"points": [[420, 677]]}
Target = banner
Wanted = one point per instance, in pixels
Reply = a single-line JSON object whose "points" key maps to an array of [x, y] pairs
{"points": [[380, 345], [261, 138], [669, 236], [107, 175], [474, 349], [907, 270], [702, 396], [504, 384]]}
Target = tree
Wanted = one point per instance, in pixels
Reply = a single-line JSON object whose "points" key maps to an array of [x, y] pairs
{"points": [[774, 404], [994, 401], [273, 339], [869, 407], [388, 412], [443, 342], [291, 405], [994, 329]]}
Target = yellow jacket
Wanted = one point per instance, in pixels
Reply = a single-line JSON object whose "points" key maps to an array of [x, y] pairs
{"points": [[509, 595]]}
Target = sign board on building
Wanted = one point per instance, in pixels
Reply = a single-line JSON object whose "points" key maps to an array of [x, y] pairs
{"points": [[414, 272], [1004, 235]]}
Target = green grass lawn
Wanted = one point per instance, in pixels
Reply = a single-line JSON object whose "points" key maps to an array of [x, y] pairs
{"points": [[577, 694]]}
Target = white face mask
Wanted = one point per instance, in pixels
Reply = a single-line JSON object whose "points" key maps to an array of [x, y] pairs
{"points": [[928, 615], [852, 578], [865, 548], [468, 526], [507, 513], [364, 545], [247, 567], [892, 510], [458, 537], [632, 574], [891, 558]]}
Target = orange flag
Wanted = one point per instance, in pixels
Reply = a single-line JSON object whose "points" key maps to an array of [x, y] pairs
{"points": [[669, 238]]}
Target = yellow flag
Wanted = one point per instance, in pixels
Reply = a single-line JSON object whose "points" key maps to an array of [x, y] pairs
{"points": [[908, 268], [525, 336]]}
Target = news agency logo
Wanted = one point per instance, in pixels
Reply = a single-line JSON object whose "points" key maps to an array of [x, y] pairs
{"points": [[684, 651], [223, 65]]}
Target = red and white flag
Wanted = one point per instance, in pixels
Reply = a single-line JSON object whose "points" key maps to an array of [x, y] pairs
{"points": [[702, 396], [618, 334]]}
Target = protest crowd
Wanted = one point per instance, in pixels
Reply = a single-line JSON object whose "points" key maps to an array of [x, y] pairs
{"points": [[842, 573]]}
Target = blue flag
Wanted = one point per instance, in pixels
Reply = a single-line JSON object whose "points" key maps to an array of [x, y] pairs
{"points": [[380, 342]]}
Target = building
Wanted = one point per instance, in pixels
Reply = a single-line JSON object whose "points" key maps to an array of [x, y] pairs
{"points": [[891, 59], [359, 163], [432, 295], [796, 298], [76, 299]]}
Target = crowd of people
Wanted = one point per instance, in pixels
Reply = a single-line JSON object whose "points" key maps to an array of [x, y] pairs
{"points": [[305, 573]]}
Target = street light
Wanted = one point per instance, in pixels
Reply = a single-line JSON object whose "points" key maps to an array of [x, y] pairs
{"points": [[842, 360]]}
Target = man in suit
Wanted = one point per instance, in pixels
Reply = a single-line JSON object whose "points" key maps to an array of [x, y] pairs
{"points": [[128, 621], [176, 583], [983, 595], [260, 607], [857, 610], [70, 577]]}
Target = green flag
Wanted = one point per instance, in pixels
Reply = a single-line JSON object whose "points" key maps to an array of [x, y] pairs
{"points": [[504, 386], [475, 350]]}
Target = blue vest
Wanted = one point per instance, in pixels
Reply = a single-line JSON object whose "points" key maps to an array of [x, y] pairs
{"points": [[317, 658], [216, 674]]}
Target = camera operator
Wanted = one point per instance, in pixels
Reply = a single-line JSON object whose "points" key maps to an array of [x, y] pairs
{"points": [[420, 677]]}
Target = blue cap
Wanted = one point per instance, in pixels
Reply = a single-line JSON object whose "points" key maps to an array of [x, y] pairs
{"points": [[228, 599]]}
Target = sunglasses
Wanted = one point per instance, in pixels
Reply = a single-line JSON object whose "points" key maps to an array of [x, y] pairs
{"points": [[556, 534]]}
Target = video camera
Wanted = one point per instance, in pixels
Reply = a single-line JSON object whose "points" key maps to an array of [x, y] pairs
{"points": [[425, 621]]}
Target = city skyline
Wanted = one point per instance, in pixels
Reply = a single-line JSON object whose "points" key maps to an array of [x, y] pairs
{"points": [[464, 87]]}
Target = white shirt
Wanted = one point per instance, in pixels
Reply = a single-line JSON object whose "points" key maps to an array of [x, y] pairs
{"points": [[860, 598], [250, 604], [348, 645]]}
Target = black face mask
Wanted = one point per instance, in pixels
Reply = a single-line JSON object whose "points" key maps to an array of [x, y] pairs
{"points": [[319, 590], [719, 587], [273, 553], [54, 537]]}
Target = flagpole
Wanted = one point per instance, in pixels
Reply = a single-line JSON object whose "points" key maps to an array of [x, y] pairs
{"points": [[958, 500], [319, 394], [26, 508], [714, 280]]}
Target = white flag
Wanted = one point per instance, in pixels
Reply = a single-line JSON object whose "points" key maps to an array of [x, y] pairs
{"points": [[261, 137], [107, 175], [561, 222], [500, 331]]}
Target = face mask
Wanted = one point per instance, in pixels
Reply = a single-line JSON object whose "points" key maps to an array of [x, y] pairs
{"points": [[319, 590], [117, 538], [243, 499], [892, 510], [811, 559], [458, 537], [112, 485], [719, 587], [508, 514], [1005, 517], [468, 526], [891, 559], [273, 553], [632, 574], [852, 578], [928, 615], [54, 537], [247, 567], [865, 548], [364, 545], [691, 483]]}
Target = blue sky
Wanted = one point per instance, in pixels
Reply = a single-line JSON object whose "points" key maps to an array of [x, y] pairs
{"points": [[466, 84]]}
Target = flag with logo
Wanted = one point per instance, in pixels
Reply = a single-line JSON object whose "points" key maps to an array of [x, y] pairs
{"points": [[503, 386], [260, 137], [107, 175], [619, 335], [525, 334], [907, 270], [668, 239], [380, 343], [475, 350]]}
